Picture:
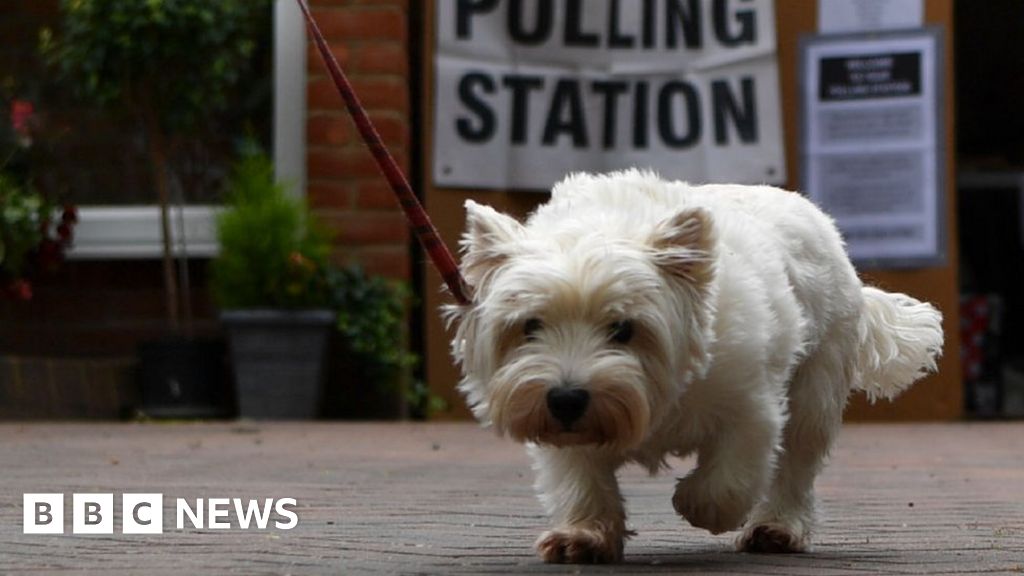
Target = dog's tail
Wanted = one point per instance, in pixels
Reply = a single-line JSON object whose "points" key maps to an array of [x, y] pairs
{"points": [[900, 339]]}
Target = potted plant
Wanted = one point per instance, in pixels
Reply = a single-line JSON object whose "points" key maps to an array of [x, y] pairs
{"points": [[172, 66], [369, 376], [271, 281]]}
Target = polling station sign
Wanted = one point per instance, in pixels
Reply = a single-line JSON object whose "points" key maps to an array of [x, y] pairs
{"points": [[526, 91]]}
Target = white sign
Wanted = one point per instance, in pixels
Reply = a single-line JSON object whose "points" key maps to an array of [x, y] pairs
{"points": [[844, 16], [871, 143], [525, 92]]}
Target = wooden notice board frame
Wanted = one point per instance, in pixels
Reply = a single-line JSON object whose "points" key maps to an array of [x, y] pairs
{"points": [[938, 397]]}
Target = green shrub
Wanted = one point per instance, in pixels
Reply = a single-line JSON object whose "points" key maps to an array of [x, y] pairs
{"points": [[175, 59], [22, 217], [170, 63], [30, 243], [371, 320], [272, 253]]}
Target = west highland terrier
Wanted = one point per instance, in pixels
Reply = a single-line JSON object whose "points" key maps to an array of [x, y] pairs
{"points": [[631, 318]]}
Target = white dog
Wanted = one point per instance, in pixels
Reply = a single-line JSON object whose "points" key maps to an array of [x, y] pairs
{"points": [[632, 318]]}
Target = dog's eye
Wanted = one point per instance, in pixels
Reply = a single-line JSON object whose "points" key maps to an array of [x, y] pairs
{"points": [[622, 331], [531, 327]]}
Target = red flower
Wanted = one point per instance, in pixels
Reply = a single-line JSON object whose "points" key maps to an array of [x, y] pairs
{"points": [[20, 289], [21, 116]]}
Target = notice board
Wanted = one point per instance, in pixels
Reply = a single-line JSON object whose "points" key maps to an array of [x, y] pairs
{"points": [[872, 142]]}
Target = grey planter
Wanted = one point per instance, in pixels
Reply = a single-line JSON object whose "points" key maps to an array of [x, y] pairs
{"points": [[278, 360]]}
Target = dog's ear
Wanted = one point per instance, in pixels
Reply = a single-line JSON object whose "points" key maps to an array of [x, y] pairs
{"points": [[488, 240], [684, 246]]}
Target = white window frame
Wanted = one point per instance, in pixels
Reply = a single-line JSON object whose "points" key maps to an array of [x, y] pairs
{"points": [[133, 232]]}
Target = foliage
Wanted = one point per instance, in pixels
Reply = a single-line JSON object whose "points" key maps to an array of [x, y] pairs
{"points": [[22, 214], [273, 255], [176, 58], [371, 319], [172, 63], [423, 402], [29, 244], [27, 240]]}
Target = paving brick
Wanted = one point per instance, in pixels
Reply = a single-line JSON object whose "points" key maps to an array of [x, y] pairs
{"points": [[454, 499]]}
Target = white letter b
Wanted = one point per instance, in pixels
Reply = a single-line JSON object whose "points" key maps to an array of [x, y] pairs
{"points": [[43, 514]]}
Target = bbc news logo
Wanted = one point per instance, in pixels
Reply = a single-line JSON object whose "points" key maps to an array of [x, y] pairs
{"points": [[144, 513]]}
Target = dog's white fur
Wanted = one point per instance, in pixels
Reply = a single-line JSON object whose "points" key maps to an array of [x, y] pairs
{"points": [[750, 327]]}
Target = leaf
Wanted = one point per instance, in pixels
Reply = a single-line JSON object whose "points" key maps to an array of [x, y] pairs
{"points": [[186, 54]]}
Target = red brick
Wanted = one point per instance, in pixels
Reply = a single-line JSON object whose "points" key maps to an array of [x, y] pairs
{"points": [[337, 130], [394, 130], [391, 263], [403, 4], [375, 195], [329, 131], [329, 195], [378, 57], [382, 93], [343, 164], [385, 58], [377, 93], [370, 39], [314, 62], [360, 23], [322, 95], [368, 228]]}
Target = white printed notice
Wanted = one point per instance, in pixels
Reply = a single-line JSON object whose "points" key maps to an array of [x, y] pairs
{"points": [[526, 92], [846, 16], [871, 133]]}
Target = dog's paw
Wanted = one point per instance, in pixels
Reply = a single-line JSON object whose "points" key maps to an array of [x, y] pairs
{"points": [[770, 539], [577, 545], [710, 506]]}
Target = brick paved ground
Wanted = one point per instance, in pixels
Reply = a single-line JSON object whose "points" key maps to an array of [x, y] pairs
{"points": [[898, 499]]}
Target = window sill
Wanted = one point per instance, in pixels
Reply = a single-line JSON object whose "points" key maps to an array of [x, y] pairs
{"points": [[126, 232]]}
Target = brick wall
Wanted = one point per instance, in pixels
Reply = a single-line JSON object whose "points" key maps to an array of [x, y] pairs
{"points": [[371, 41]]}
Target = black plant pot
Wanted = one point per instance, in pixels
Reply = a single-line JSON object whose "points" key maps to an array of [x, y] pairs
{"points": [[278, 361], [184, 378], [357, 392]]}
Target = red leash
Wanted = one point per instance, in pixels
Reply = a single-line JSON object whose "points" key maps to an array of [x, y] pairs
{"points": [[414, 212]]}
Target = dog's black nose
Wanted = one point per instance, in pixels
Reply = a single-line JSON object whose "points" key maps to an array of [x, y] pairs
{"points": [[567, 404]]}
